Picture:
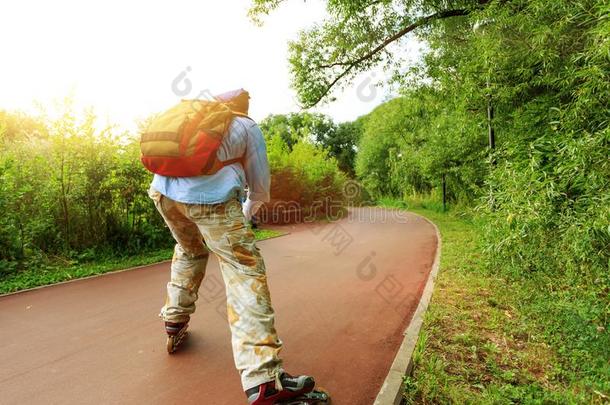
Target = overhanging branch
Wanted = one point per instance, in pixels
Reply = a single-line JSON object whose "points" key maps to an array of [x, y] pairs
{"points": [[399, 34], [350, 64]]}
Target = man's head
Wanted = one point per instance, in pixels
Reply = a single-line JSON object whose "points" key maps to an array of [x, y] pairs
{"points": [[237, 100]]}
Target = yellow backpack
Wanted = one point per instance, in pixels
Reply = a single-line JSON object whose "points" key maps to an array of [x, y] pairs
{"points": [[182, 141]]}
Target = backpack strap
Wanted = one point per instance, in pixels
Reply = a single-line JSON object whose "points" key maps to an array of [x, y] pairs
{"points": [[239, 159], [217, 164], [231, 161]]}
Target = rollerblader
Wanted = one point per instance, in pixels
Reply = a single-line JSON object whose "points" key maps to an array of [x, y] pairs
{"points": [[203, 154]]}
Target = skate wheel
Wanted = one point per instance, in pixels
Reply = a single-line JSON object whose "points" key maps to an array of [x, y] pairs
{"points": [[318, 396], [174, 341], [322, 396], [171, 347]]}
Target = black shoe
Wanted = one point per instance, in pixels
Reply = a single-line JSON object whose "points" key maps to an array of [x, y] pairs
{"points": [[292, 387]]}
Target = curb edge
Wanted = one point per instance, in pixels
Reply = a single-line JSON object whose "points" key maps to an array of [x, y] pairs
{"points": [[391, 390], [74, 280]]}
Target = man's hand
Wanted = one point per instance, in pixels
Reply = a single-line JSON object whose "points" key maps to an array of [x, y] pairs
{"points": [[250, 207]]}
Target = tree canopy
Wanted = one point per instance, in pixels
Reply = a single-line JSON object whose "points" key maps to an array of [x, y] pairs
{"points": [[357, 36], [339, 140]]}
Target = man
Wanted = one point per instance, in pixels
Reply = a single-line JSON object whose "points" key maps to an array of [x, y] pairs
{"points": [[204, 214]]}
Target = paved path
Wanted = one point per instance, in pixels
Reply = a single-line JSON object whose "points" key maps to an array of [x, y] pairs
{"points": [[343, 294]]}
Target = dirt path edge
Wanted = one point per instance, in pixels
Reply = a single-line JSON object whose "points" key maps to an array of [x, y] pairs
{"points": [[391, 390]]}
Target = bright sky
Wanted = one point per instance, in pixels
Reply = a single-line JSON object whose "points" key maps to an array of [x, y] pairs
{"points": [[121, 57]]}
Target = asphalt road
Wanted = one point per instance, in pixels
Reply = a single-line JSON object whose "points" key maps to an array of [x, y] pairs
{"points": [[343, 293]]}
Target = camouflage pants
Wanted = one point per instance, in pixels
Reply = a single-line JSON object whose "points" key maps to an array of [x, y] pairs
{"points": [[221, 228]]}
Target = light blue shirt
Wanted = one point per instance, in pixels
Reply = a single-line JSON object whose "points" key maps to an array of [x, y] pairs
{"points": [[244, 138]]}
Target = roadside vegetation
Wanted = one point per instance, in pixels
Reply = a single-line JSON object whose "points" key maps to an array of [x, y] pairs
{"points": [[505, 118], [306, 155], [59, 269], [491, 338]]}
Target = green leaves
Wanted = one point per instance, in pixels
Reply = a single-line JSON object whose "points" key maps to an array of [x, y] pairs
{"points": [[357, 36], [303, 168], [338, 140], [67, 187], [544, 66], [409, 143]]}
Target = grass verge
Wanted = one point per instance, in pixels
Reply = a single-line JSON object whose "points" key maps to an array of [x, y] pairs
{"points": [[480, 343], [51, 273]]}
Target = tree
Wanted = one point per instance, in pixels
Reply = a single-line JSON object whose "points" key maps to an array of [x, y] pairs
{"points": [[338, 140], [358, 35], [342, 145], [293, 127]]}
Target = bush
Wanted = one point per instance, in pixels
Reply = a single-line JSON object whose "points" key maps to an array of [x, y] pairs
{"points": [[305, 183], [70, 192]]}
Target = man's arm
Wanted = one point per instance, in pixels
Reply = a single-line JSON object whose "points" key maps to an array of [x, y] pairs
{"points": [[256, 168]]}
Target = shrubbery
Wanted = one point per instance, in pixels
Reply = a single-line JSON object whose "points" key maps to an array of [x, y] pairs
{"points": [[410, 143], [70, 193], [305, 181]]}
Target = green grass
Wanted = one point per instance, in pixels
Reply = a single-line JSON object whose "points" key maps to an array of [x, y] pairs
{"points": [[46, 273], [262, 234], [484, 340]]}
